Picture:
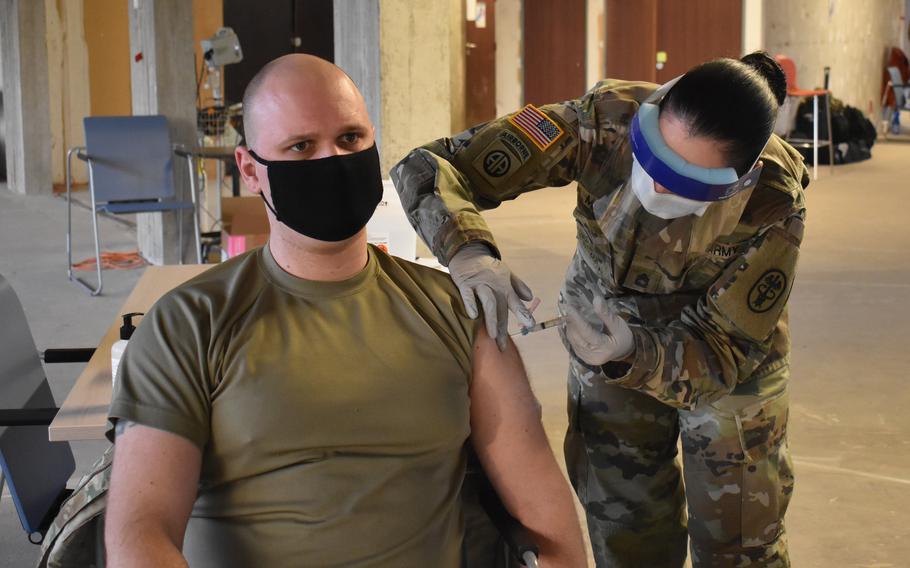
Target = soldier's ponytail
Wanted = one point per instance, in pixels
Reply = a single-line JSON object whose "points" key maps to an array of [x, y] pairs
{"points": [[732, 101]]}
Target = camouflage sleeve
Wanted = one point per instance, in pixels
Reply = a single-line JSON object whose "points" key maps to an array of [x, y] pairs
{"points": [[444, 184], [723, 338]]}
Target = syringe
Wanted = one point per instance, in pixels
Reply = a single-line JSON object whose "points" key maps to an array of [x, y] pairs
{"points": [[555, 322]]}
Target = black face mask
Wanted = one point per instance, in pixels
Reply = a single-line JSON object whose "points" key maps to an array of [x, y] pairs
{"points": [[329, 199]]}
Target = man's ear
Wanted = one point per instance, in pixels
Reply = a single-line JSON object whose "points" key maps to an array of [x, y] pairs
{"points": [[246, 165]]}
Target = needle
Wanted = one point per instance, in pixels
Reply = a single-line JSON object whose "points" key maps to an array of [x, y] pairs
{"points": [[540, 326]]}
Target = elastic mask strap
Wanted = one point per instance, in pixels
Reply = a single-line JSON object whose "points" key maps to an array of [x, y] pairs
{"points": [[262, 195], [269, 205], [257, 158]]}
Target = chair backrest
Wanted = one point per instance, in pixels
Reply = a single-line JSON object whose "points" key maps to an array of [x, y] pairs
{"points": [[36, 469], [132, 157], [789, 67]]}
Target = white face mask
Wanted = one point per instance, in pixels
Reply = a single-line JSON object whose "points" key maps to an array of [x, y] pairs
{"points": [[663, 205]]}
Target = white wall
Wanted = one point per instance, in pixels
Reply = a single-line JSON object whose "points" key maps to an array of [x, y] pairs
{"points": [[850, 36]]}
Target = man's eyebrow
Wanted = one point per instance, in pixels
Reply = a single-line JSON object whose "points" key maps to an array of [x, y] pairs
{"points": [[296, 138], [350, 127]]}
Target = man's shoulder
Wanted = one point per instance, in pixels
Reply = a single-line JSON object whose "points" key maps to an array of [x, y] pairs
{"points": [[218, 288], [427, 278], [423, 284]]}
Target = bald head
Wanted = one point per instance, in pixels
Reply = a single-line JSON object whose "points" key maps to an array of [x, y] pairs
{"points": [[296, 86]]}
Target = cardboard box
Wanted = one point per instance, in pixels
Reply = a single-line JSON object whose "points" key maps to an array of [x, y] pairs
{"points": [[245, 224]]}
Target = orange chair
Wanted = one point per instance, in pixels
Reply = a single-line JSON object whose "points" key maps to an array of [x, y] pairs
{"points": [[793, 90]]}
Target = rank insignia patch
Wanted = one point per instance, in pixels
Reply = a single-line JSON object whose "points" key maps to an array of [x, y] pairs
{"points": [[540, 128]]}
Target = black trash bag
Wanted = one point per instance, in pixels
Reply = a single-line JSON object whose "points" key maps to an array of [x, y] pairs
{"points": [[853, 134]]}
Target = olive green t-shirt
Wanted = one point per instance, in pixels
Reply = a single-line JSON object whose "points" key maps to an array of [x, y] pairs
{"points": [[332, 416]]}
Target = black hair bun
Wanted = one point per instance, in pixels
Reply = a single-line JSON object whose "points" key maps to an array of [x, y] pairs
{"points": [[771, 70]]}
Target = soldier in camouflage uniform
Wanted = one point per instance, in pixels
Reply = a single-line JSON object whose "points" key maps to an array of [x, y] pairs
{"points": [[702, 297]]}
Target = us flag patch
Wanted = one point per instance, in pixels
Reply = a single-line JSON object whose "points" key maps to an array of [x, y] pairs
{"points": [[539, 127]]}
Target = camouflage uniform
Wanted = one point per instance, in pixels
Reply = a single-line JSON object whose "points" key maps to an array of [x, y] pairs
{"points": [[706, 299], [75, 538]]}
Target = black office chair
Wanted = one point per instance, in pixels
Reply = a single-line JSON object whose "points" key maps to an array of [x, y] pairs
{"points": [[35, 469]]}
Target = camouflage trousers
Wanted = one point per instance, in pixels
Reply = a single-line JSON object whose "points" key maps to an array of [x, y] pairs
{"points": [[621, 452]]}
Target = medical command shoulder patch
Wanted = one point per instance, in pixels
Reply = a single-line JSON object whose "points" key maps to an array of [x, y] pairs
{"points": [[767, 290], [540, 128]]}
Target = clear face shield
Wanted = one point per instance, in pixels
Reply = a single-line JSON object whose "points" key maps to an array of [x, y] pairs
{"points": [[670, 170]]}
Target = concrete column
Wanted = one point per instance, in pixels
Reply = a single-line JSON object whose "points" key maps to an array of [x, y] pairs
{"points": [[357, 52], [25, 96], [509, 72], [163, 82], [408, 60], [753, 25], [596, 42]]}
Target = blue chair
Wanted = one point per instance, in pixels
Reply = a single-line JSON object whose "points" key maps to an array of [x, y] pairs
{"points": [[35, 469], [130, 170]]}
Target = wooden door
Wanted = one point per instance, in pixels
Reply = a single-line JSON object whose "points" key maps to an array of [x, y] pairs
{"points": [[696, 31], [480, 64], [631, 39], [554, 50], [689, 32]]}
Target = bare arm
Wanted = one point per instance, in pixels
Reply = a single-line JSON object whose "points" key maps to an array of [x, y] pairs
{"points": [[153, 488], [510, 441]]}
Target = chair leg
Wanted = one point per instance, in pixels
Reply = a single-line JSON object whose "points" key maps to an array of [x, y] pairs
{"points": [[93, 290], [815, 137], [179, 213], [69, 215], [194, 198], [830, 134]]}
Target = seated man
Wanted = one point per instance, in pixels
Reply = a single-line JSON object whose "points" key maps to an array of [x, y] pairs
{"points": [[309, 403]]}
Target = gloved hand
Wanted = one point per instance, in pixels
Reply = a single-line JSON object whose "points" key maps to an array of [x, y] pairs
{"points": [[478, 273], [595, 347]]}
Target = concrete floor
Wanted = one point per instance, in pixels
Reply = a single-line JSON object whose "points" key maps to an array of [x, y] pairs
{"points": [[850, 431]]}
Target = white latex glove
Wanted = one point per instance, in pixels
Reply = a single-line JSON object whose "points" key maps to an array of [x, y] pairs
{"points": [[595, 347], [480, 275]]}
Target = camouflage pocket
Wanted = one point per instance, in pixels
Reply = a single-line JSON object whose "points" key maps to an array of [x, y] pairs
{"points": [[767, 475], [762, 429], [738, 475]]}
